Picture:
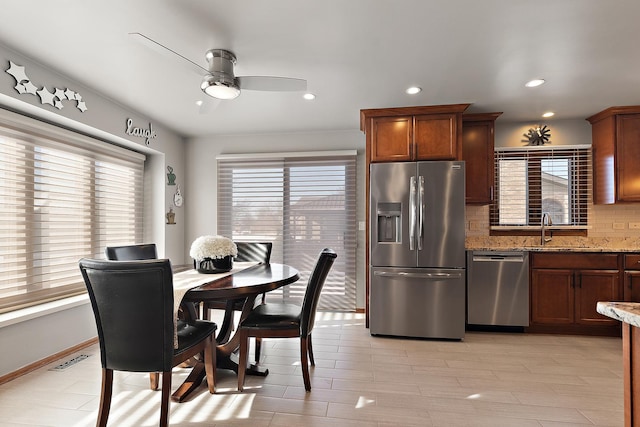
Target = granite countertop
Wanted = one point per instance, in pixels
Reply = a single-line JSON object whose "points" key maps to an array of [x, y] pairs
{"points": [[557, 244], [627, 312]]}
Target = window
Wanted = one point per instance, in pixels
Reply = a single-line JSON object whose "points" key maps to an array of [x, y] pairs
{"points": [[63, 197], [302, 205], [532, 181]]}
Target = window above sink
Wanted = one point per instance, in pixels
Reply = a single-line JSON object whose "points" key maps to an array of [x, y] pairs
{"points": [[531, 181]]}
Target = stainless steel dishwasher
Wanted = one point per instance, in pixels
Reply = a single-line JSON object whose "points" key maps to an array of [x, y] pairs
{"points": [[498, 288]]}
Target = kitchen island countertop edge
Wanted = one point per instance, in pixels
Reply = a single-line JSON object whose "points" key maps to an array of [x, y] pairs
{"points": [[627, 312]]}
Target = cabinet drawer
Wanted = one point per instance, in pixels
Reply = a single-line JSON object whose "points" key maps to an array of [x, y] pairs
{"points": [[632, 262], [594, 261]]}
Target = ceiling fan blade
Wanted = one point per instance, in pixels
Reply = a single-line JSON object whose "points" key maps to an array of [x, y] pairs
{"points": [[150, 43], [276, 84]]}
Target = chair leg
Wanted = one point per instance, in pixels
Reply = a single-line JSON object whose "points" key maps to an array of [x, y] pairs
{"points": [[304, 362], [164, 404], [242, 357], [310, 348], [105, 397], [258, 349], [154, 380], [210, 364], [205, 311]]}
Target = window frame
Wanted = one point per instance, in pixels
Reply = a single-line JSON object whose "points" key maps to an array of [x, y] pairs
{"points": [[579, 189], [296, 242], [24, 285]]}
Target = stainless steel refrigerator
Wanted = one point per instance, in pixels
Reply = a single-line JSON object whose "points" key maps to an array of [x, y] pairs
{"points": [[416, 251]]}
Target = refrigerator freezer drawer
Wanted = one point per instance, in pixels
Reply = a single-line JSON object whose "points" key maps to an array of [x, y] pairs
{"points": [[423, 303]]}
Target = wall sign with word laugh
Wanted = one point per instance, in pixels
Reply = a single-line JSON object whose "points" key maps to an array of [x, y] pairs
{"points": [[147, 133]]}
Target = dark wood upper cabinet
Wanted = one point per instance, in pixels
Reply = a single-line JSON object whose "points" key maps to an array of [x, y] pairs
{"points": [[477, 152], [392, 136], [616, 153], [435, 136], [413, 133]]}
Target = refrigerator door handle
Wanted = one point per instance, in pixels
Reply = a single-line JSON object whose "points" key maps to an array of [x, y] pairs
{"points": [[412, 213], [420, 211], [418, 275]]}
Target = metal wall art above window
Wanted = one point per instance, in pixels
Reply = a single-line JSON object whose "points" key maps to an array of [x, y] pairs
{"points": [[53, 98], [538, 135], [532, 181]]}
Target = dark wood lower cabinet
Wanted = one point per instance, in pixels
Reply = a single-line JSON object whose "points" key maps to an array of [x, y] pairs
{"points": [[594, 286], [632, 277], [565, 289], [632, 285]]}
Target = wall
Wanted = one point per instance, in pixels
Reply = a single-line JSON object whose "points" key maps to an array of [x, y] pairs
{"points": [[563, 132], [605, 221], [201, 157], [57, 326]]}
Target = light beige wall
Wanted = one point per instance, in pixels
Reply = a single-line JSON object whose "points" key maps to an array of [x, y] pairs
{"points": [[563, 132]]}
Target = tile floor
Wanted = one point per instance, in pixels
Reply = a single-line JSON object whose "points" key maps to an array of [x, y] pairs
{"points": [[489, 379]]}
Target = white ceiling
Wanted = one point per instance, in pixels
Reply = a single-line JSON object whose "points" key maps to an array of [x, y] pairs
{"points": [[354, 54]]}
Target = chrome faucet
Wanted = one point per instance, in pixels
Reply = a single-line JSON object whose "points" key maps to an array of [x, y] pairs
{"points": [[543, 223]]}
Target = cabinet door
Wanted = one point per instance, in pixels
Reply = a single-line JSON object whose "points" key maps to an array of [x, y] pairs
{"points": [[477, 152], [632, 286], [592, 286], [391, 139], [627, 157], [552, 296], [435, 137]]}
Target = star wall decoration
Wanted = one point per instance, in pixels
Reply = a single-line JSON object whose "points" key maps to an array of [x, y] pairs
{"points": [[53, 98], [46, 97]]}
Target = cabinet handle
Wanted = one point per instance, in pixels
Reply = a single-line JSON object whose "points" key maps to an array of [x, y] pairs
{"points": [[579, 276], [491, 197]]}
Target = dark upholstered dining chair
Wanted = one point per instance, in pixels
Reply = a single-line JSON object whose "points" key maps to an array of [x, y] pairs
{"points": [[247, 252], [188, 310], [283, 320], [131, 252], [132, 303]]}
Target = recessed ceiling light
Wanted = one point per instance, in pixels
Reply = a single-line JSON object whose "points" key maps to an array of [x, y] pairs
{"points": [[413, 90], [548, 114], [309, 96], [534, 82], [199, 103]]}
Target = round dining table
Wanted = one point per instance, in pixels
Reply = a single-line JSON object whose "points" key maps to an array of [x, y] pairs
{"points": [[244, 286]]}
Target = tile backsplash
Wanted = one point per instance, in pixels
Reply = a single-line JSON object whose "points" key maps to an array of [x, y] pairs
{"points": [[604, 221]]}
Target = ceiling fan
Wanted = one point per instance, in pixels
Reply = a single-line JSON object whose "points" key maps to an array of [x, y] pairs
{"points": [[219, 80]]}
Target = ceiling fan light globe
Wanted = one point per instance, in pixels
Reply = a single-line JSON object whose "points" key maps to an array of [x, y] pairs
{"points": [[220, 88]]}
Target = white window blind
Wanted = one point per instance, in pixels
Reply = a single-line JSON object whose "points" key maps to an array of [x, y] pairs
{"points": [[531, 181], [302, 205], [63, 197]]}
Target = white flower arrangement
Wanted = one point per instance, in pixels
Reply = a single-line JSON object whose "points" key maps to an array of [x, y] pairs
{"points": [[214, 247]]}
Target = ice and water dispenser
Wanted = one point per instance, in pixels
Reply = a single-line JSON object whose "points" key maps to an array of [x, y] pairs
{"points": [[389, 223]]}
